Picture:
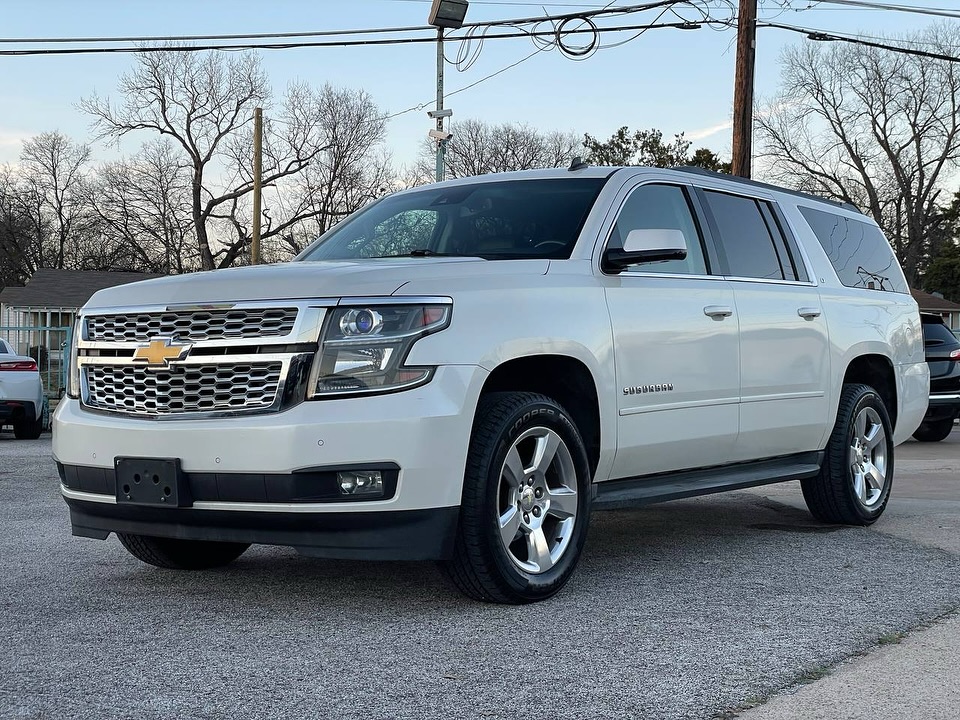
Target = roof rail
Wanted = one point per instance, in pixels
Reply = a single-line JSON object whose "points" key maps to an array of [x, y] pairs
{"points": [[766, 186]]}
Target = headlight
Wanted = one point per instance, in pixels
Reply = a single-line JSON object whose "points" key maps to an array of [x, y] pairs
{"points": [[363, 349], [73, 368]]}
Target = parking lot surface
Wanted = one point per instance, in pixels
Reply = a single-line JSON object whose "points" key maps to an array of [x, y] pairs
{"points": [[684, 610]]}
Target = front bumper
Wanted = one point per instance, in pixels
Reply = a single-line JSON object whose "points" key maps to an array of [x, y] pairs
{"points": [[392, 535], [248, 466]]}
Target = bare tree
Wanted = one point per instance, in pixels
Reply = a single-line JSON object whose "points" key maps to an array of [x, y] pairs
{"points": [[478, 148], [20, 248], [872, 127], [53, 177], [202, 101], [145, 211], [349, 169]]}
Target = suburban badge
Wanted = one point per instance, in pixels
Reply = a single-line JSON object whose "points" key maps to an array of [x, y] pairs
{"points": [[641, 389]]}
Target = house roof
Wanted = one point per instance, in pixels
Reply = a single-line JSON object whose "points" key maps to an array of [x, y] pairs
{"points": [[926, 301], [65, 288]]}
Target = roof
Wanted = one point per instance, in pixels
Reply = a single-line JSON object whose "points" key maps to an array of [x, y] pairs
{"points": [[927, 301], [65, 288]]}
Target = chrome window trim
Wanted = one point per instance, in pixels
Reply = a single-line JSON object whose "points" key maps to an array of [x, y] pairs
{"points": [[766, 281]]}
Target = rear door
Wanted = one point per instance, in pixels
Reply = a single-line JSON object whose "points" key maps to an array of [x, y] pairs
{"points": [[675, 343], [784, 346]]}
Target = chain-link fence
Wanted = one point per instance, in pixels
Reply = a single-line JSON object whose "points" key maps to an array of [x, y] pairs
{"points": [[49, 347]]}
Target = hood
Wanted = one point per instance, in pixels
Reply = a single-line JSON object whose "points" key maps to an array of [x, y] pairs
{"points": [[302, 280]]}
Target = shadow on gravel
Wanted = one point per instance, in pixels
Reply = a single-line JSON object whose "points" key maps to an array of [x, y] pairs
{"points": [[676, 611]]}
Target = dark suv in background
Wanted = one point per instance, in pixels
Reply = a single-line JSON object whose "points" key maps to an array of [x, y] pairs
{"points": [[942, 349]]}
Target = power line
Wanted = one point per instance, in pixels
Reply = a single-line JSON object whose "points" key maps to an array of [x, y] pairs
{"points": [[605, 10], [918, 9], [820, 35]]}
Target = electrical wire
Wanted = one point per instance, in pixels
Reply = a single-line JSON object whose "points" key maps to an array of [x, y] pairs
{"points": [[821, 35], [896, 7]]}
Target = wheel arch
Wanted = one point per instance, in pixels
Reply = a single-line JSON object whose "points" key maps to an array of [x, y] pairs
{"points": [[877, 371], [564, 378]]}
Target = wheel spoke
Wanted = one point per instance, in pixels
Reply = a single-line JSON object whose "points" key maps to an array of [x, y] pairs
{"points": [[563, 502], [546, 450], [874, 436], [860, 424], [509, 525], [513, 471], [539, 550], [874, 478], [860, 485]]}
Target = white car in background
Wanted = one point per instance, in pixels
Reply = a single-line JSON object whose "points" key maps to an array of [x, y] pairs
{"points": [[22, 401]]}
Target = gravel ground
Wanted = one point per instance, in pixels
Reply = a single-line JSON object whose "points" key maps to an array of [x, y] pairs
{"points": [[677, 611]]}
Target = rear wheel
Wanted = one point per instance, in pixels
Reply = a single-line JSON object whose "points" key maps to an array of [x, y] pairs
{"points": [[28, 430], [526, 501], [854, 483], [181, 554], [934, 431]]}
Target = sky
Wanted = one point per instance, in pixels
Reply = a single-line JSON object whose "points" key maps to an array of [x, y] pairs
{"points": [[673, 80]]}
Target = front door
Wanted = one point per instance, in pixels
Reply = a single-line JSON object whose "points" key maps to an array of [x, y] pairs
{"points": [[676, 347]]}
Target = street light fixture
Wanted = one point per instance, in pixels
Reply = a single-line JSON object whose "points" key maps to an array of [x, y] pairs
{"points": [[443, 14], [448, 13]]}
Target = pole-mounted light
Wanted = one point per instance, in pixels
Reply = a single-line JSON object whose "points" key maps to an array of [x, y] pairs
{"points": [[448, 13], [443, 14]]}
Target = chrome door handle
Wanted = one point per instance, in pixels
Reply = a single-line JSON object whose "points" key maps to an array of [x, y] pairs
{"points": [[808, 313], [718, 312]]}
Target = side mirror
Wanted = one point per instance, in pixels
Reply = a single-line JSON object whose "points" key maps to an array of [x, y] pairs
{"points": [[645, 245]]}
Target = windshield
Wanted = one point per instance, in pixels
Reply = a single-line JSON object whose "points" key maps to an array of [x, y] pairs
{"points": [[492, 220]]}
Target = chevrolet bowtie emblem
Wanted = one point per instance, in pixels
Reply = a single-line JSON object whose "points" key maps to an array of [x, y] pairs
{"points": [[161, 352]]}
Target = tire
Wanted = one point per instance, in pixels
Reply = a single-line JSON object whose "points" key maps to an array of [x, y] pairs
{"points": [[854, 483], [25, 430], [522, 522], [181, 554], [934, 431]]}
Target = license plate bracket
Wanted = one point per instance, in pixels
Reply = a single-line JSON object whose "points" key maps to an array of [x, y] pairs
{"points": [[158, 482]]}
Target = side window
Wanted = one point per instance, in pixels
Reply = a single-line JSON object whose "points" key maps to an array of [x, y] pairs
{"points": [[857, 250], [746, 240], [661, 207]]}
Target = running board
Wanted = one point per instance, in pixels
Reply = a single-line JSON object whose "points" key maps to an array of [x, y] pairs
{"points": [[635, 492]]}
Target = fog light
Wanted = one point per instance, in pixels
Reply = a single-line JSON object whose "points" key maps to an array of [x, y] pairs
{"points": [[360, 482]]}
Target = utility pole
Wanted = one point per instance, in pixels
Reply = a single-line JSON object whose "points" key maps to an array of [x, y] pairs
{"points": [[441, 141], [443, 14], [743, 88], [257, 173]]}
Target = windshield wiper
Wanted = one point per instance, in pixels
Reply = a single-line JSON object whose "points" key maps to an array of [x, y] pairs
{"points": [[427, 252]]}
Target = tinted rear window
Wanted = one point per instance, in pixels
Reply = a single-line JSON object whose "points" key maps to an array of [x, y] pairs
{"points": [[857, 250], [745, 237], [935, 333]]}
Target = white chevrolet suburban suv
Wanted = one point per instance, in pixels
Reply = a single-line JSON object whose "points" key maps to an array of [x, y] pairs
{"points": [[463, 371]]}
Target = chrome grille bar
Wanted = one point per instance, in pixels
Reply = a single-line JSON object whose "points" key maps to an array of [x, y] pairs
{"points": [[206, 388], [194, 325]]}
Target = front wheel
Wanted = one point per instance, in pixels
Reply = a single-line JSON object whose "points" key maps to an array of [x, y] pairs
{"points": [[181, 554], [934, 431], [854, 483], [526, 501]]}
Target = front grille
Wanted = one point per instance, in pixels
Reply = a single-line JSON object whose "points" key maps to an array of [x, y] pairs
{"points": [[193, 325], [135, 390]]}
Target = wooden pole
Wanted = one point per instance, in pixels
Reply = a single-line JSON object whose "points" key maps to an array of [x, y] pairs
{"points": [[257, 174], [743, 88]]}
